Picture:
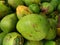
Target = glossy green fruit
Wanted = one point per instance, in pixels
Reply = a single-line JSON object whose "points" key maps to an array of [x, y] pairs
{"points": [[34, 8], [13, 39], [29, 2], [8, 23], [4, 10], [46, 8], [15, 3], [33, 25], [22, 11], [2, 35], [33, 43], [50, 43]]}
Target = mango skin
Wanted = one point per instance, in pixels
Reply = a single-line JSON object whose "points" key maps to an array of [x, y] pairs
{"points": [[13, 38], [33, 25], [29, 2], [2, 35], [8, 23], [54, 3], [33, 43], [52, 32], [22, 11], [50, 43], [15, 3], [46, 8], [4, 10], [34, 8], [58, 8]]}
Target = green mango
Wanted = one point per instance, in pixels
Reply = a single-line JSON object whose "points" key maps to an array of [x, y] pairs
{"points": [[2, 35], [8, 23], [15, 3], [46, 8], [33, 25], [54, 3], [4, 10], [52, 32], [22, 11], [33, 43], [13, 38], [58, 1], [50, 43], [58, 8], [29, 2], [52, 22], [34, 8]]}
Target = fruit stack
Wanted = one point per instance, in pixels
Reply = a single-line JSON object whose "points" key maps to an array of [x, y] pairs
{"points": [[29, 22]]}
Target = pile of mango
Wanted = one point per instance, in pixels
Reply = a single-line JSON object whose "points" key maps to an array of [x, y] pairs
{"points": [[29, 22]]}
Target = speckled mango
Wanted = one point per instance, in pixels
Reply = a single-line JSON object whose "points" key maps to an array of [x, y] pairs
{"points": [[33, 25]]}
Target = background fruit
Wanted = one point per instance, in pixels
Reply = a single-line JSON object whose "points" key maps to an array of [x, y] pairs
{"points": [[50, 43], [52, 32], [4, 10], [33, 43], [2, 35], [29, 2], [34, 8], [54, 3], [13, 39], [8, 23], [22, 11], [46, 8], [58, 8], [15, 3]]}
